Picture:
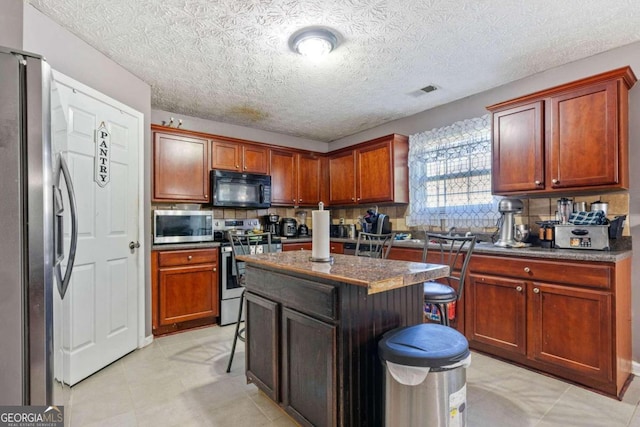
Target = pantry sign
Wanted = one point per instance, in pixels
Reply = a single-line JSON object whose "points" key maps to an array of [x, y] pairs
{"points": [[102, 159]]}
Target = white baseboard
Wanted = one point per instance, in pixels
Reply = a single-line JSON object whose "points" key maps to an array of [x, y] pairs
{"points": [[635, 368], [149, 339]]}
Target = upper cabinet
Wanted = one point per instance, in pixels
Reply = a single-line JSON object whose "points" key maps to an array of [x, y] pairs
{"points": [[238, 156], [372, 172], [571, 137], [180, 167], [295, 178]]}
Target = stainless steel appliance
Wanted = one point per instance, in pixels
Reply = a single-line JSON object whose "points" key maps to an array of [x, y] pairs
{"points": [[180, 226], [31, 229], [240, 190], [571, 236], [508, 207], [230, 290], [288, 227]]}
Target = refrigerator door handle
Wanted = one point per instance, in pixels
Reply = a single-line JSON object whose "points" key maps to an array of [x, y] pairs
{"points": [[63, 281]]}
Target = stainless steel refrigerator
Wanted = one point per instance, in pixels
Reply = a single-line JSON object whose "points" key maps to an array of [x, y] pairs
{"points": [[31, 232]]}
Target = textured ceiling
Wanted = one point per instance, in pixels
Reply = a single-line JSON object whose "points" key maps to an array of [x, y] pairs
{"points": [[229, 60]]}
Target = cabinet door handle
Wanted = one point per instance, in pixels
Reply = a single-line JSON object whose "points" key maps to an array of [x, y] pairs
{"points": [[302, 249], [555, 181], [215, 269], [300, 200], [527, 270], [206, 197], [353, 198], [245, 168], [189, 258], [237, 166], [536, 290], [537, 182], [519, 288]]}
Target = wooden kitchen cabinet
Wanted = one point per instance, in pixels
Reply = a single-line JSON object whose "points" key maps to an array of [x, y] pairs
{"points": [[567, 318], [295, 178], [263, 333], [237, 156], [373, 172], [342, 178], [301, 246], [185, 290], [180, 167], [570, 137], [292, 348], [309, 384], [336, 247]]}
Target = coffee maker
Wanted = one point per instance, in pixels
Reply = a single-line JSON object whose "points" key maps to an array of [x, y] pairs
{"points": [[509, 207], [271, 224]]}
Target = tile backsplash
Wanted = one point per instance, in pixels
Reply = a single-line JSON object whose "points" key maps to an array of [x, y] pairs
{"points": [[535, 209]]}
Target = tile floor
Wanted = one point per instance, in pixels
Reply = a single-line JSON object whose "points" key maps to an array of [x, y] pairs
{"points": [[180, 380]]}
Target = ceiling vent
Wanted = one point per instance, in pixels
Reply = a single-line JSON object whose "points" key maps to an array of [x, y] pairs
{"points": [[429, 88]]}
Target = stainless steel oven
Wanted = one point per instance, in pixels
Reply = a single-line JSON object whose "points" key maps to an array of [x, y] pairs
{"points": [[180, 226], [230, 290]]}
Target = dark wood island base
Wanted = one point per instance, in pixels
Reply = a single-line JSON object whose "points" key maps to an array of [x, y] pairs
{"points": [[312, 331]]}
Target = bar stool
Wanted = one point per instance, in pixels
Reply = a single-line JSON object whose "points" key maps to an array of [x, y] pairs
{"points": [[450, 249], [373, 245], [244, 244]]}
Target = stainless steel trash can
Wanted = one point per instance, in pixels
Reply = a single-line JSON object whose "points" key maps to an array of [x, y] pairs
{"points": [[425, 382]]}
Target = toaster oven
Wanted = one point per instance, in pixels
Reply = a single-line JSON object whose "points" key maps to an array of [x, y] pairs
{"points": [[571, 236]]}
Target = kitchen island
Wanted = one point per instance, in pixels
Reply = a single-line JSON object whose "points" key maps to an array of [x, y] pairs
{"points": [[313, 328]]}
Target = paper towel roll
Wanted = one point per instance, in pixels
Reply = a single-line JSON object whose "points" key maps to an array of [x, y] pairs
{"points": [[320, 237]]}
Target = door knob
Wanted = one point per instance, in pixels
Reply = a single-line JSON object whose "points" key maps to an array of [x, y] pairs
{"points": [[134, 245]]}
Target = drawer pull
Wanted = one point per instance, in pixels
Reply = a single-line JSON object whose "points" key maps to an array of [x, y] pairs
{"points": [[189, 258], [536, 290], [527, 270], [519, 288]]}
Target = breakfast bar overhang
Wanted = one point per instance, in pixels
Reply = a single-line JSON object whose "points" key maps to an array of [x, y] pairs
{"points": [[312, 330]]}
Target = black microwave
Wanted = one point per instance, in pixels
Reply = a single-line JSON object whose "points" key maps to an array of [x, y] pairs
{"points": [[240, 190]]}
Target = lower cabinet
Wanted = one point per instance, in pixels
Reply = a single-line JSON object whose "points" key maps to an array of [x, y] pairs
{"points": [[309, 368], [184, 289], [570, 319], [334, 247], [291, 357], [311, 344], [302, 246]]}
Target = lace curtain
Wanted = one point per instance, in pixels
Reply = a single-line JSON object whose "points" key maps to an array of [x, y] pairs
{"points": [[450, 176]]}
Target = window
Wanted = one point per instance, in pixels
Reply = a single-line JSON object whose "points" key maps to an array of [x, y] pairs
{"points": [[450, 176]]}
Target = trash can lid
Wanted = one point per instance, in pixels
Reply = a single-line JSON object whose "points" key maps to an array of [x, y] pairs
{"points": [[427, 345]]}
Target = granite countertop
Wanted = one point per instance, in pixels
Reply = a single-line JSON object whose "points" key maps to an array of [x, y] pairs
{"points": [[377, 275], [481, 248], [535, 252]]}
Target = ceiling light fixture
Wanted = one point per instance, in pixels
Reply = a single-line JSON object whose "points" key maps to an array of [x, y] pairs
{"points": [[313, 42]]}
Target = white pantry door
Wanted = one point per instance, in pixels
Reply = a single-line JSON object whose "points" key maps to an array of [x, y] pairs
{"points": [[100, 311]]}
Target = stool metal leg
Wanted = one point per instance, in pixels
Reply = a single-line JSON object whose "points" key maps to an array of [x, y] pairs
{"points": [[444, 313], [237, 333]]}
